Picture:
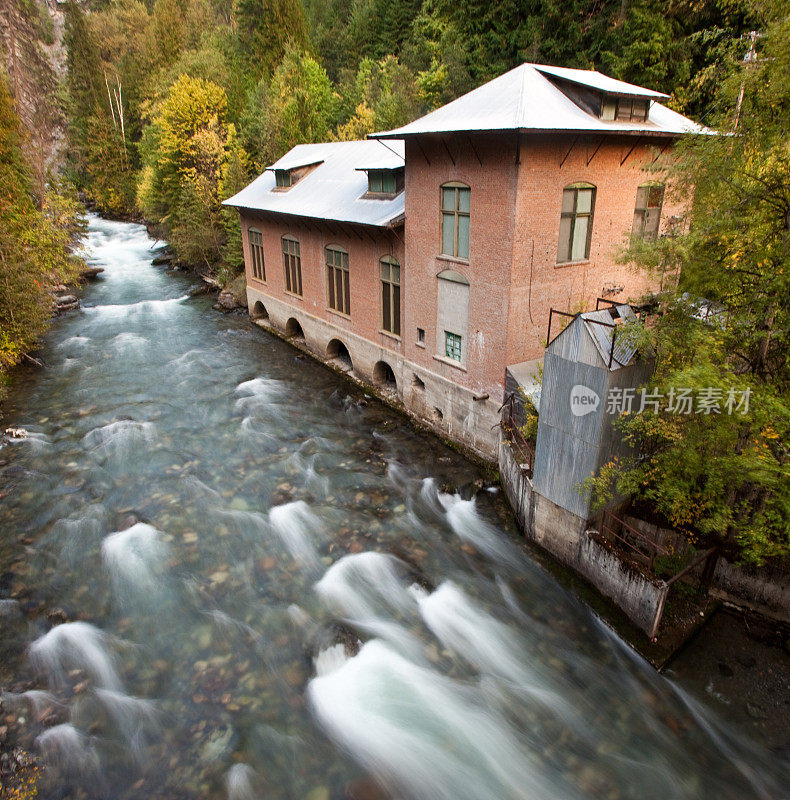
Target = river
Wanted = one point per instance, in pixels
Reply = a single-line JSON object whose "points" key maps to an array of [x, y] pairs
{"points": [[226, 573]]}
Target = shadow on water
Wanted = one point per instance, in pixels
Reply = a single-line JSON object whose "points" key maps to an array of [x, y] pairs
{"points": [[224, 576]]}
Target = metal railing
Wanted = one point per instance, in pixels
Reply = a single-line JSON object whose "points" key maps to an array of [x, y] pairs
{"points": [[524, 449], [632, 540], [553, 311]]}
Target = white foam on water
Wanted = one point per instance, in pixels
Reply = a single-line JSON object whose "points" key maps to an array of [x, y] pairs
{"points": [[304, 465], [128, 342], [136, 559], [490, 646], [74, 343], [36, 699], [330, 659], [260, 387], [117, 439], [72, 538], [140, 308], [365, 589], [424, 732], [66, 749], [35, 441], [239, 781], [468, 525], [76, 645], [133, 716], [297, 527], [257, 397], [364, 585]]}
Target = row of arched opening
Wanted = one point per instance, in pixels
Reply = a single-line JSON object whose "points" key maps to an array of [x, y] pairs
{"points": [[336, 351]]}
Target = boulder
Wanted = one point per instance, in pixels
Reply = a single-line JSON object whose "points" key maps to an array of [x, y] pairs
{"points": [[227, 301], [66, 302], [234, 294]]}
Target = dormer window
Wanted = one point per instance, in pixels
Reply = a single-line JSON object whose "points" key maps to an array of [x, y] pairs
{"points": [[381, 181], [625, 109], [286, 177], [384, 183], [283, 178]]}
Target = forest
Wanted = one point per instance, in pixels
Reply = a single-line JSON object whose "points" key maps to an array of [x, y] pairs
{"points": [[159, 109]]}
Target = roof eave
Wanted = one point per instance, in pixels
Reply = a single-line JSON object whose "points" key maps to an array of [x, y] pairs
{"points": [[393, 222], [592, 131]]}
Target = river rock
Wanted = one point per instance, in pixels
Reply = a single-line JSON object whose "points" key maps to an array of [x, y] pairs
{"points": [[319, 793], [234, 294], [365, 789], [66, 302]]}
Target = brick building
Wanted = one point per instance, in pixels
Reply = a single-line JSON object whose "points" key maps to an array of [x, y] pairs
{"points": [[426, 259]]}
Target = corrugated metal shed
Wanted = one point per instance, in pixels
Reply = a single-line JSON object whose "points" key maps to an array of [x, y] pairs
{"points": [[526, 99], [334, 190], [575, 439]]}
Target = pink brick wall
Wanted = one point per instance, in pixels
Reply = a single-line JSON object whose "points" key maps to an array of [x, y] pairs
{"points": [[516, 196], [429, 164], [538, 283], [365, 247], [516, 192]]}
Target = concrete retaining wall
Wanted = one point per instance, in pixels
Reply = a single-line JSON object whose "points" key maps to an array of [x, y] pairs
{"points": [[565, 536], [640, 597], [765, 589]]}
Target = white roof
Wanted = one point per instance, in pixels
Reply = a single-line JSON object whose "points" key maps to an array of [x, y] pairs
{"points": [[597, 80], [525, 99], [334, 189]]}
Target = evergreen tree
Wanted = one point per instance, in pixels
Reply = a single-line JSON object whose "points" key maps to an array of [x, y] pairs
{"points": [[266, 28]]}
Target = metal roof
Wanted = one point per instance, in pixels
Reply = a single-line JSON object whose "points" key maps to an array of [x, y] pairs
{"points": [[601, 334], [334, 189], [597, 80], [526, 99]]}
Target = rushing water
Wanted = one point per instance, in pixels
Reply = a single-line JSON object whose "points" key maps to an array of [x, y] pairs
{"points": [[223, 576]]}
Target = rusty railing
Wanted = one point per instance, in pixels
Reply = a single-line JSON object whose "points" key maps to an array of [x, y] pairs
{"points": [[525, 450], [634, 541]]}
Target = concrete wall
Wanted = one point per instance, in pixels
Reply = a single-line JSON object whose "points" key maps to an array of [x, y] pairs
{"points": [[765, 589], [641, 598], [566, 536]]}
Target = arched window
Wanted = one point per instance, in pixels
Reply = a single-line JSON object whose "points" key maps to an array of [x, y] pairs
{"points": [[647, 214], [455, 219], [292, 262], [390, 294], [256, 254], [576, 221], [452, 315], [338, 290]]}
